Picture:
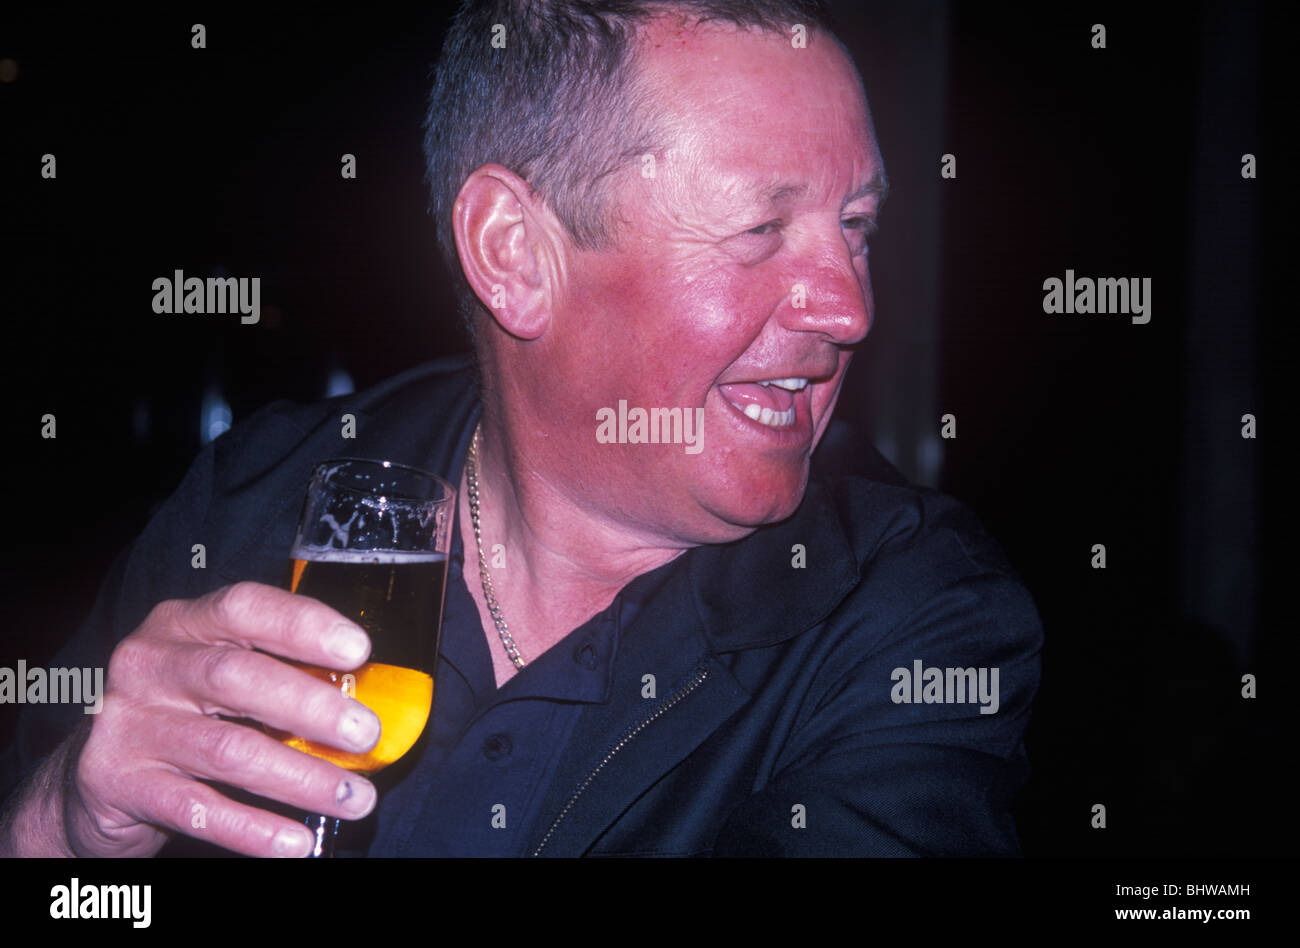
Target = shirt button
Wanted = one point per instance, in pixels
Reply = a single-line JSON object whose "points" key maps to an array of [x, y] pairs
{"points": [[498, 745], [585, 656]]}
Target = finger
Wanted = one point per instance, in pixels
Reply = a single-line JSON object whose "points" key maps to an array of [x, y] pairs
{"points": [[244, 757], [260, 616], [186, 806], [241, 683]]}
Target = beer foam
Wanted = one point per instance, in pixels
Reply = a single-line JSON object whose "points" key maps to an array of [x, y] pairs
{"points": [[318, 555]]}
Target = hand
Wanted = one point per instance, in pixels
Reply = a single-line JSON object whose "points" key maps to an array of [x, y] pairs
{"points": [[118, 786]]}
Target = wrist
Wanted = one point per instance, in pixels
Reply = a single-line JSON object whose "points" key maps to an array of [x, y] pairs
{"points": [[32, 823]]}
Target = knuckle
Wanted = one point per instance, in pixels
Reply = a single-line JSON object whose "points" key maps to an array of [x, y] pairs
{"points": [[173, 804], [225, 668], [164, 613], [236, 604], [321, 705], [132, 660], [229, 749], [299, 628], [244, 831]]}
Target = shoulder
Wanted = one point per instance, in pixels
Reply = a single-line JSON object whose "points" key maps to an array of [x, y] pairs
{"points": [[906, 543], [866, 555], [899, 688], [381, 416], [927, 583], [242, 494]]}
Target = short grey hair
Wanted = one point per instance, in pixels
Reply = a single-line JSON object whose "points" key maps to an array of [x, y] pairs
{"points": [[560, 104]]}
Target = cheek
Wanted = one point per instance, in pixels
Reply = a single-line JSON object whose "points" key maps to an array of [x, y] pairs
{"points": [[661, 330], [718, 304], [825, 399], [594, 329], [661, 334], [708, 318]]}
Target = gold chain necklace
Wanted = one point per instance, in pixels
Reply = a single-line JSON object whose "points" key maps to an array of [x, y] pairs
{"points": [[471, 478]]}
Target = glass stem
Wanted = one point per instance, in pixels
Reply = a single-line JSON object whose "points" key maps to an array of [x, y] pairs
{"points": [[325, 831]]}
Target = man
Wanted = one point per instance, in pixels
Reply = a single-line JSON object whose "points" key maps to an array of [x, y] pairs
{"points": [[696, 644]]}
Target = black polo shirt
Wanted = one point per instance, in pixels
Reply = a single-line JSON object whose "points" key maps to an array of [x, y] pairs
{"points": [[739, 700]]}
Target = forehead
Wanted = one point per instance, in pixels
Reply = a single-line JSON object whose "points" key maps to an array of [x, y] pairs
{"points": [[750, 112]]}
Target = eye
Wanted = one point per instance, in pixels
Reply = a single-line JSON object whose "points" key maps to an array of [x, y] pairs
{"points": [[862, 227], [753, 246]]}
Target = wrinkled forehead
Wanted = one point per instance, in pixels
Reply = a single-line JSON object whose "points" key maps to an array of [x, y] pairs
{"points": [[754, 110]]}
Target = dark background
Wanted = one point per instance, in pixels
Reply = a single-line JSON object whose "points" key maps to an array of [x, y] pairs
{"points": [[1072, 430]]}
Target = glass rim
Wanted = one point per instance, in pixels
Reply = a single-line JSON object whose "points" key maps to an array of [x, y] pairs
{"points": [[450, 491]]}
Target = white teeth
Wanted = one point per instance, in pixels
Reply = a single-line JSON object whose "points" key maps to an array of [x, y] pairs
{"points": [[765, 416], [793, 385]]}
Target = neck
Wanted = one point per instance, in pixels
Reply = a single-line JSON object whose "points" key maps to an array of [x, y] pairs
{"points": [[553, 564]]}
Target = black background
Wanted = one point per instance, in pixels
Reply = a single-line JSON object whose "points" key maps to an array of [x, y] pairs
{"points": [[1072, 430]]}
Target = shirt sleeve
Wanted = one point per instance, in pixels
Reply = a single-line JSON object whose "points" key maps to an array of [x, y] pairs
{"points": [[868, 775]]}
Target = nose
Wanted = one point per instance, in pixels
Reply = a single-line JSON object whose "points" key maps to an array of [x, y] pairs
{"points": [[828, 296]]}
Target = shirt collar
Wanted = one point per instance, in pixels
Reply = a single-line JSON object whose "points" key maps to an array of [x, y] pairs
{"points": [[778, 582], [580, 668]]}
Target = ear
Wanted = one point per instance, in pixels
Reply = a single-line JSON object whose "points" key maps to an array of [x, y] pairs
{"points": [[508, 242]]}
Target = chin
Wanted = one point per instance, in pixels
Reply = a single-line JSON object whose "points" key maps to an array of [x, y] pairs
{"points": [[743, 515]]}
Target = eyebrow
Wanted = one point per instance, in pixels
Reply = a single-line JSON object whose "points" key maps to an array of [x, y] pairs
{"points": [[878, 184]]}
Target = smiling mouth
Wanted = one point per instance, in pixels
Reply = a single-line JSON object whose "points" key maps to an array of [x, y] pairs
{"points": [[770, 402], [765, 416]]}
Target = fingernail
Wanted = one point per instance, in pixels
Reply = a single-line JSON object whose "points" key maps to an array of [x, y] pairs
{"points": [[355, 795], [292, 842], [359, 727], [347, 643]]}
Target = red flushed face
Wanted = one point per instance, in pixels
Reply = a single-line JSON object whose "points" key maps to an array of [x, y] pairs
{"points": [[738, 284]]}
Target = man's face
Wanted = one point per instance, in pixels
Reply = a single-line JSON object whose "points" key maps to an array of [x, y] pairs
{"points": [[761, 202]]}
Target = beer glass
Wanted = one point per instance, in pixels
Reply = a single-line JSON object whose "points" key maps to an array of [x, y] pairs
{"points": [[372, 543]]}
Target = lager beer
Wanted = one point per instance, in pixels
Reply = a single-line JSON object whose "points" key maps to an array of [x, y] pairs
{"points": [[397, 599], [372, 543]]}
